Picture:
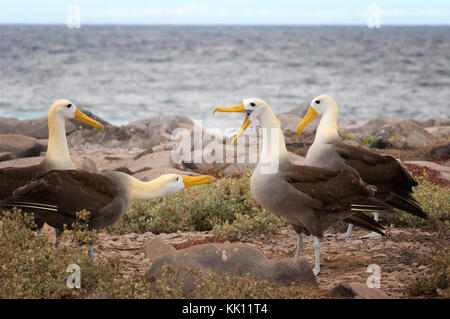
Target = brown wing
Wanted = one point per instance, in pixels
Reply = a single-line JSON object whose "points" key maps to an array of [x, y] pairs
{"points": [[337, 190], [12, 178], [57, 196], [392, 179], [376, 169]]}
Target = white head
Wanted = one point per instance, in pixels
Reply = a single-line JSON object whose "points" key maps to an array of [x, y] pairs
{"points": [[164, 185], [255, 109], [172, 183], [66, 110], [57, 155], [323, 103], [319, 106]]}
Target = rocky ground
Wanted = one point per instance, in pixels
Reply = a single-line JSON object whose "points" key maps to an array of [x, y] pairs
{"points": [[143, 149], [342, 260]]}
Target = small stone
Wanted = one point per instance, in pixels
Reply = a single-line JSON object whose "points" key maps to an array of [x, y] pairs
{"points": [[356, 291], [6, 156], [422, 267], [156, 248]]}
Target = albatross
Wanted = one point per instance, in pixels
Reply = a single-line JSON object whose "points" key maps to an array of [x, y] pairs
{"points": [[55, 197], [310, 198], [388, 175], [57, 156]]}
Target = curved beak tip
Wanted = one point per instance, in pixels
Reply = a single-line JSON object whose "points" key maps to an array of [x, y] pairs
{"points": [[309, 116], [83, 118]]}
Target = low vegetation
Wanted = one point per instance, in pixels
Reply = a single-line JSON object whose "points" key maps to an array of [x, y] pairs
{"points": [[368, 139], [435, 201], [226, 207], [435, 282], [31, 267], [346, 136]]}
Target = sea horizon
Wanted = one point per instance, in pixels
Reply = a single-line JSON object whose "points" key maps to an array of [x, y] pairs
{"points": [[126, 72]]}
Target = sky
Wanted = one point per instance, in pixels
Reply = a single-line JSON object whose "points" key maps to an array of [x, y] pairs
{"points": [[240, 12]]}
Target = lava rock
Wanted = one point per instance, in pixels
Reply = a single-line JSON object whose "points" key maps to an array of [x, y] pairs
{"points": [[21, 146], [233, 259], [381, 143], [356, 291], [441, 152], [156, 247]]}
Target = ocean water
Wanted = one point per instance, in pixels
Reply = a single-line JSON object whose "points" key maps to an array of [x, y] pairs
{"points": [[126, 73]]}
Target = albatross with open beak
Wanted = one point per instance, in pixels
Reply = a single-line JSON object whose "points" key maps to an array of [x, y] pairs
{"points": [[56, 196], [310, 198], [391, 178], [57, 156]]}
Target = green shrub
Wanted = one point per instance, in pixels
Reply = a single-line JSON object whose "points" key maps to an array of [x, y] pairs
{"points": [[436, 281], [346, 136], [368, 139], [216, 286], [31, 267], [226, 207], [435, 201], [245, 224]]}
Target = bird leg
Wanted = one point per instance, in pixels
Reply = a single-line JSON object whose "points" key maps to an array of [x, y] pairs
{"points": [[39, 231], [91, 251], [316, 245], [372, 234], [58, 235], [299, 245], [349, 231]]}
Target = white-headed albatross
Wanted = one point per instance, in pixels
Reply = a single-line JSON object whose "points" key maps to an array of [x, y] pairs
{"points": [[310, 198], [56, 196], [389, 176], [57, 156]]}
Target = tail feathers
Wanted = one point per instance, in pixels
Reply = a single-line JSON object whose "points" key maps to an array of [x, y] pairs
{"points": [[406, 203], [19, 203], [362, 220], [371, 204]]}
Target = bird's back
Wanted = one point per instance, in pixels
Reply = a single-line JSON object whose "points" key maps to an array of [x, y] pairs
{"points": [[12, 178], [57, 196]]}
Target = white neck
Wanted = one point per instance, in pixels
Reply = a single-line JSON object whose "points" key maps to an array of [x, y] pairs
{"points": [[139, 190], [327, 131], [57, 150], [273, 145]]}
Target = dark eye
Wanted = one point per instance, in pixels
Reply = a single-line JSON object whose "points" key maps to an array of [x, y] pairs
{"points": [[178, 179], [69, 105], [317, 102], [252, 104]]}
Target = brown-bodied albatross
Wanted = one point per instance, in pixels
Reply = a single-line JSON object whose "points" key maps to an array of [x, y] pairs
{"points": [[391, 178], [310, 198], [57, 156], [56, 196]]}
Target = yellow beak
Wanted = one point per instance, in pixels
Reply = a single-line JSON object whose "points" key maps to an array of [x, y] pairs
{"points": [[237, 108], [242, 130], [310, 115], [190, 181], [80, 116]]}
